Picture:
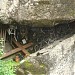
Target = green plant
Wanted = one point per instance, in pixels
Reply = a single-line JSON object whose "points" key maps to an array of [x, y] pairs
{"points": [[1, 46], [8, 67]]}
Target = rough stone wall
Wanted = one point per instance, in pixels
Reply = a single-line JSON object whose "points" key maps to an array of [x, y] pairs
{"points": [[63, 9], [63, 52], [37, 9], [47, 9], [60, 58]]}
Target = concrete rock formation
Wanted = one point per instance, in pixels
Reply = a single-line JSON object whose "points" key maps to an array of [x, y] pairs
{"points": [[37, 11], [59, 58]]}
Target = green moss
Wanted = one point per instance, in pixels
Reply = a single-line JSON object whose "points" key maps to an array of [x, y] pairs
{"points": [[28, 64], [42, 65], [33, 69]]}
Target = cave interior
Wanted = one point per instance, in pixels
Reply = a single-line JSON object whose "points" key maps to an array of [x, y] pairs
{"points": [[37, 37]]}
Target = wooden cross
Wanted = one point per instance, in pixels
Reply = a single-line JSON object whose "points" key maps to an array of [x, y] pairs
{"points": [[20, 48]]}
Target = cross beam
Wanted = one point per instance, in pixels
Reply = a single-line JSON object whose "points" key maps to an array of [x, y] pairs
{"points": [[15, 51], [21, 47]]}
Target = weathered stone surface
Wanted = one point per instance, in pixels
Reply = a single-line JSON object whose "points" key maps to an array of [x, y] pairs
{"points": [[35, 10], [59, 58]]}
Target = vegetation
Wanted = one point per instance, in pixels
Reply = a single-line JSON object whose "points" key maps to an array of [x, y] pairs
{"points": [[29, 67], [1, 46], [8, 67]]}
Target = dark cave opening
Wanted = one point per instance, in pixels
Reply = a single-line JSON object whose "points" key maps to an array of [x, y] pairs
{"points": [[39, 36]]}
